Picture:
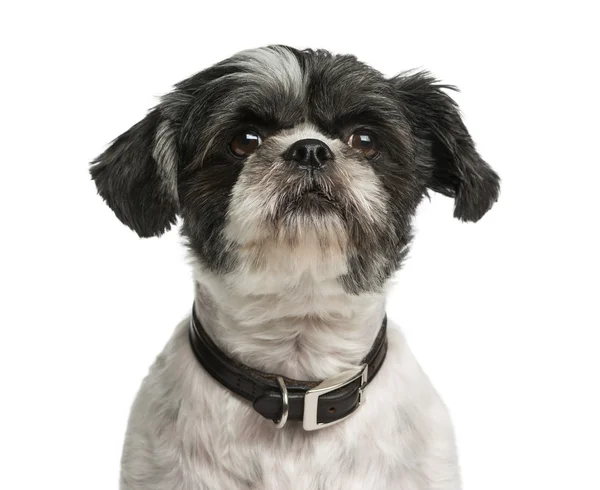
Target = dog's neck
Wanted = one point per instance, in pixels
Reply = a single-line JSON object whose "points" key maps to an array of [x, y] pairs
{"points": [[308, 330]]}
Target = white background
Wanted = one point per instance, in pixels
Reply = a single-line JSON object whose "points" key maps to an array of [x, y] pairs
{"points": [[502, 314]]}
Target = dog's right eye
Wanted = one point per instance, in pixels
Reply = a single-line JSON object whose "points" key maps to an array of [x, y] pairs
{"points": [[245, 143]]}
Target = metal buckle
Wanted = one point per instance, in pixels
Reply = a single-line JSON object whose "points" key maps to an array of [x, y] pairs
{"points": [[311, 398], [285, 406]]}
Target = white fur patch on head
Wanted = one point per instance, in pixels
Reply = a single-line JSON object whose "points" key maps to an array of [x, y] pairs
{"points": [[273, 65], [166, 157]]}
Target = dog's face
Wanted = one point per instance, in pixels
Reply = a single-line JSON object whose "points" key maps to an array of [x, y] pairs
{"points": [[278, 156]]}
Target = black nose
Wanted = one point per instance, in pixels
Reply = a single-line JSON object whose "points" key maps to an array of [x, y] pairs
{"points": [[309, 153]]}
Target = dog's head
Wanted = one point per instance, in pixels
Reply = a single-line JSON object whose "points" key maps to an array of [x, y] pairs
{"points": [[278, 156]]}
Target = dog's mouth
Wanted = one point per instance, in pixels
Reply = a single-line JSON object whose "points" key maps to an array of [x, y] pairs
{"points": [[310, 198], [315, 191]]}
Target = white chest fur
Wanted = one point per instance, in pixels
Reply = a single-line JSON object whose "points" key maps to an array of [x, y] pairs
{"points": [[188, 432]]}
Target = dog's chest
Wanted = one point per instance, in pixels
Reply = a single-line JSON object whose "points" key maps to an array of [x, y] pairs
{"points": [[375, 449], [187, 432]]}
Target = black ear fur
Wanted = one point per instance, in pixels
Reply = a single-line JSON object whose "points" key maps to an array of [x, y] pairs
{"points": [[129, 179], [458, 170]]}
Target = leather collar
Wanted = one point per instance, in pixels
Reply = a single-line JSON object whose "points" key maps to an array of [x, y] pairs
{"points": [[316, 403]]}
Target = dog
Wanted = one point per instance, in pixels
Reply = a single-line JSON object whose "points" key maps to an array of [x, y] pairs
{"points": [[296, 175]]}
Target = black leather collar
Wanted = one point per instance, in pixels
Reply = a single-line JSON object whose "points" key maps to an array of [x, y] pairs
{"points": [[316, 403]]}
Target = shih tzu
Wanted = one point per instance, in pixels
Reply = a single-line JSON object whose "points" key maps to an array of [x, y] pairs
{"points": [[296, 175]]}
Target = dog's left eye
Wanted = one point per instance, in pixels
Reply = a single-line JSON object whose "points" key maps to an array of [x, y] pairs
{"points": [[245, 143], [365, 142]]}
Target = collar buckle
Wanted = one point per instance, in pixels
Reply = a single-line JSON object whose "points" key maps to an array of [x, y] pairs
{"points": [[311, 398]]}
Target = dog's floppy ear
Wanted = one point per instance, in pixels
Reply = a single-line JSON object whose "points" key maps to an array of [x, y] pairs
{"points": [[137, 176], [458, 170]]}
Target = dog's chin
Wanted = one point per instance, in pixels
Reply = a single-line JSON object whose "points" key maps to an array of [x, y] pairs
{"points": [[308, 241]]}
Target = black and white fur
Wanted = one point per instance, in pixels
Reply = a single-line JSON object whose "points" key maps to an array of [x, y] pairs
{"points": [[291, 267]]}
